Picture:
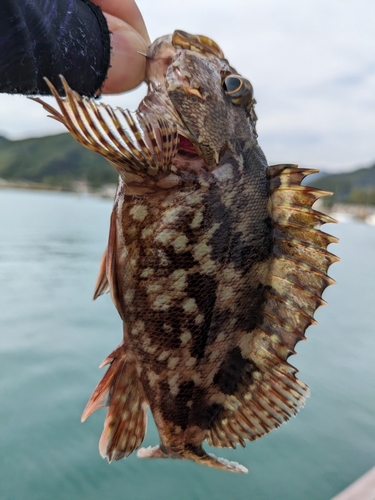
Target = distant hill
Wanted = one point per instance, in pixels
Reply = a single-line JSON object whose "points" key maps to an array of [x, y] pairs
{"points": [[55, 160], [351, 187], [59, 161]]}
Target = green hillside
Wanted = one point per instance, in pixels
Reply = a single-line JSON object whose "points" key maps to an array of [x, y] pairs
{"points": [[58, 161], [352, 187], [55, 160]]}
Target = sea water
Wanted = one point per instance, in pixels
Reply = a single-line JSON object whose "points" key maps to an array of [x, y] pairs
{"points": [[53, 337]]}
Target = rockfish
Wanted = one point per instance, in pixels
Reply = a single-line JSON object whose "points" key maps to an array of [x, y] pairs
{"points": [[214, 262]]}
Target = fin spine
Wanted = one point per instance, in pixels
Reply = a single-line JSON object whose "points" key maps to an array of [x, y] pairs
{"points": [[149, 152]]}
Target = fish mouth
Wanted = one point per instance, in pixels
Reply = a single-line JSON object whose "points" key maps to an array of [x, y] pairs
{"points": [[186, 146], [187, 156], [159, 103]]}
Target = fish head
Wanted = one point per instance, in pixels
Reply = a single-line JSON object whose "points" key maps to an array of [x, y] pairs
{"points": [[191, 83]]}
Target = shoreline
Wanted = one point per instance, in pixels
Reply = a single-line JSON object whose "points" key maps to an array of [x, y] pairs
{"points": [[77, 187], [343, 212], [30, 185]]}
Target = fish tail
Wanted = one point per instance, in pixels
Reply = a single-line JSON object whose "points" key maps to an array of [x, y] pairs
{"points": [[219, 463], [126, 421], [196, 455]]}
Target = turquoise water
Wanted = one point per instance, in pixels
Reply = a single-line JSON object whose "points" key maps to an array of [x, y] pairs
{"points": [[53, 337]]}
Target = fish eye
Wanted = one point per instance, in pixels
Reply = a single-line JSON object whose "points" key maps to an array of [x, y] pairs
{"points": [[239, 90], [232, 84]]}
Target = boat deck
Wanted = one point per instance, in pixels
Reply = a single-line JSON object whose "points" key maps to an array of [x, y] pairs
{"points": [[362, 489]]}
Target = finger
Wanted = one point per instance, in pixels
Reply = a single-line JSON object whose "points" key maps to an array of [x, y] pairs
{"points": [[127, 11], [127, 67]]}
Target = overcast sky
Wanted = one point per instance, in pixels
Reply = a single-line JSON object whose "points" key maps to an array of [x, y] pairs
{"points": [[311, 62]]}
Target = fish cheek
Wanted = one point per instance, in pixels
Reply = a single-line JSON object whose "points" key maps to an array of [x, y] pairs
{"points": [[204, 116], [210, 138]]}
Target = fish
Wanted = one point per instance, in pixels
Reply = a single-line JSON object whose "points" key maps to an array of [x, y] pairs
{"points": [[215, 261]]}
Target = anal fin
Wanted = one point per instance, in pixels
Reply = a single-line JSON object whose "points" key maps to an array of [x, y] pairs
{"points": [[120, 389]]}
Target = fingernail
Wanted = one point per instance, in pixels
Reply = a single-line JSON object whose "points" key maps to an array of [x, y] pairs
{"points": [[127, 67]]}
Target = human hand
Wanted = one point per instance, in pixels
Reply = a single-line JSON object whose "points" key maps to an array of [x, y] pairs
{"points": [[129, 35]]}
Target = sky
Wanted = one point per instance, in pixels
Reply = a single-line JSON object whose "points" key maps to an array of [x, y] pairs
{"points": [[311, 63]]}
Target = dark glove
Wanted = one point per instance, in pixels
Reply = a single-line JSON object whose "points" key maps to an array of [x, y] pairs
{"points": [[50, 37]]}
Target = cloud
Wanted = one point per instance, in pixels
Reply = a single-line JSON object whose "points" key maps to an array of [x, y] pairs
{"points": [[311, 64]]}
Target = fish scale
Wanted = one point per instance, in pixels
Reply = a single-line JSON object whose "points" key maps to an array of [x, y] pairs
{"points": [[215, 261]]}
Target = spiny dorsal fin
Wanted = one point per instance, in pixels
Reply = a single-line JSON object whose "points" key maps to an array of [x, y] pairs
{"points": [[132, 142], [271, 394]]}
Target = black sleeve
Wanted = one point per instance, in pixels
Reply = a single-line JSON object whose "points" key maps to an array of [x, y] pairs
{"points": [[50, 37]]}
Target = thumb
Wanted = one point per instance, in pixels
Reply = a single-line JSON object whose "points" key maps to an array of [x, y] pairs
{"points": [[127, 67]]}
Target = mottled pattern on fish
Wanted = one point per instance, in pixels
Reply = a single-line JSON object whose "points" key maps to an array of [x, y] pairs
{"points": [[214, 260]]}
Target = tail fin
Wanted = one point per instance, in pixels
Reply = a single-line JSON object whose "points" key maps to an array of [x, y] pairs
{"points": [[198, 455], [126, 420], [219, 463]]}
